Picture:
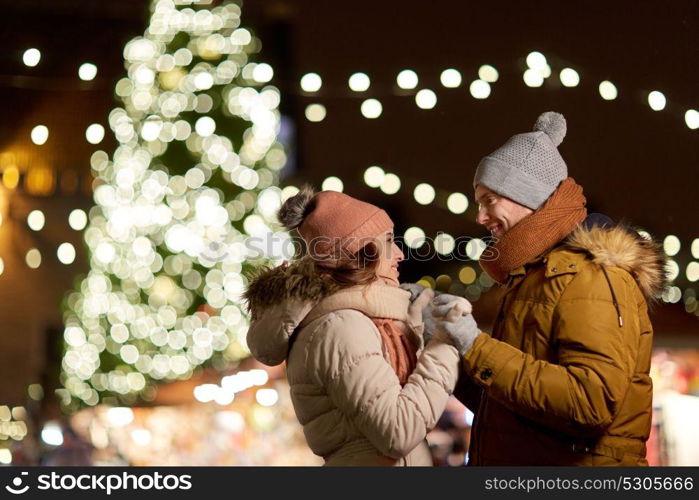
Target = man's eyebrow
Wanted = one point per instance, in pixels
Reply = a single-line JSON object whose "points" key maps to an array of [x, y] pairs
{"points": [[484, 195]]}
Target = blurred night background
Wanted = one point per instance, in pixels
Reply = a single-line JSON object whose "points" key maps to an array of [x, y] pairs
{"points": [[138, 135]]}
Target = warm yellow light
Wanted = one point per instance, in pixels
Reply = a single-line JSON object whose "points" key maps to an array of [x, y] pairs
{"points": [[10, 177], [467, 275], [315, 112], [40, 181]]}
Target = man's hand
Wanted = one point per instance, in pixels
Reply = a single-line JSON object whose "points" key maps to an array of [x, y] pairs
{"points": [[450, 307], [455, 322]]}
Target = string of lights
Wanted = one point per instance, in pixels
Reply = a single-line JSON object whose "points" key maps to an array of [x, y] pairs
{"points": [[538, 71]]}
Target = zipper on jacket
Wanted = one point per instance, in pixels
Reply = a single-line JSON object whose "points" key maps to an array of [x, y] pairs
{"points": [[611, 289]]}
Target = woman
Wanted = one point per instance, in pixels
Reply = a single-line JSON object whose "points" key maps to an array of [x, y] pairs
{"points": [[363, 385]]}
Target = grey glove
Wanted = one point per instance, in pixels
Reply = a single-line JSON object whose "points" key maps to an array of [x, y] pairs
{"points": [[444, 302], [461, 332], [414, 289], [427, 319], [450, 307]]}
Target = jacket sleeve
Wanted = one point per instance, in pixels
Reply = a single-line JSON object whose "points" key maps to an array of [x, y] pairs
{"points": [[363, 385], [582, 393]]}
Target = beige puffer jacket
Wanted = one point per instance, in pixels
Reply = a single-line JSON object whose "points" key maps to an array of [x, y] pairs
{"points": [[345, 393]]}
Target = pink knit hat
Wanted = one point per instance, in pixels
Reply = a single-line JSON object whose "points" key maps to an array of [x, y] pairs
{"points": [[330, 221]]}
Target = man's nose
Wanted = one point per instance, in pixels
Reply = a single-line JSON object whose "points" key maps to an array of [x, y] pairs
{"points": [[481, 216]]}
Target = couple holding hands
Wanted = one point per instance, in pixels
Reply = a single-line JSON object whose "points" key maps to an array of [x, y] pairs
{"points": [[562, 378]]}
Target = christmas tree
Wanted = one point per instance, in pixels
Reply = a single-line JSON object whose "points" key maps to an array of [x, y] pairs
{"points": [[192, 178]]}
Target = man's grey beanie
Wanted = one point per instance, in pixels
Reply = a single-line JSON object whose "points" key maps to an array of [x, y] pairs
{"points": [[528, 168]]}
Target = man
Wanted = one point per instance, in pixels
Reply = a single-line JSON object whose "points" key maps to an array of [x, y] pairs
{"points": [[563, 377]]}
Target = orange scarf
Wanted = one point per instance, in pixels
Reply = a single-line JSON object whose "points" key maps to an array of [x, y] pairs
{"points": [[401, 351], [536, 233]]}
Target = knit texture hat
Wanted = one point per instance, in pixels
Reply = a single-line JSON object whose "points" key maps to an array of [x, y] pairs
{"points": [[330, 221], [528, 168]]}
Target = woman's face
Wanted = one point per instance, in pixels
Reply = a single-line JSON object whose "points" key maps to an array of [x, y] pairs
{"points": [[389, 257]]}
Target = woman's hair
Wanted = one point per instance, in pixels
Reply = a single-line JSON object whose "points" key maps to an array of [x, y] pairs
{"points": [[356, 269]]}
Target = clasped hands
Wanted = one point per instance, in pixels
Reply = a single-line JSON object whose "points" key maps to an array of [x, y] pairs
{"points": [[447, 317]]}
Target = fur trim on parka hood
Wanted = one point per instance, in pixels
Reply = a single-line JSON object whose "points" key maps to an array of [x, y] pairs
{"points": [[295, 281], [279, 299], [626, 249], [285, 298]]}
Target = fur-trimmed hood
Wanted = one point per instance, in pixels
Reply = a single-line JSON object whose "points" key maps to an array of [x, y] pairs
{"points": [[624, 248], [287, 297], [279, 299], [298, 281]]}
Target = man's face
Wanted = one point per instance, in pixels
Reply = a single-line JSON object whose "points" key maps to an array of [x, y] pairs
{"points": [[497, 213]]}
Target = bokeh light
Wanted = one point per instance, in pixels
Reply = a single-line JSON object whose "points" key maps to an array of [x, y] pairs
{"points": [[31, 57], [407, 79], [87, 71], [359, 82], [426, 99], [311, 82], [371, 108], [315, 112]]}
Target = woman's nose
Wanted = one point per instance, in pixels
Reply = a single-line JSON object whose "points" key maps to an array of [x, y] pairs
{"points": [[398, 253]]}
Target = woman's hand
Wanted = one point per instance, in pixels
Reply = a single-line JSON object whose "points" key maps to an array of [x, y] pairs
{"points": [[455, 323]]}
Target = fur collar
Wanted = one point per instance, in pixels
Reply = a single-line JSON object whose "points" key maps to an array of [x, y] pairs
{"points": [[624, 248], [298, 280]]}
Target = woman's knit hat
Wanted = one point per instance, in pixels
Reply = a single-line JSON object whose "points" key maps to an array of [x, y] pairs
{"points": [[330, 222], [528, 168]]}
